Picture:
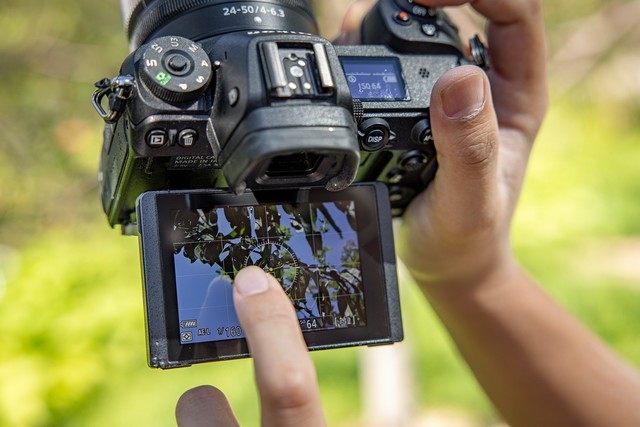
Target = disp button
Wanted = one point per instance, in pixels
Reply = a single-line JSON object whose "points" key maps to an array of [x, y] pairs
{"points": [[374, 134]]}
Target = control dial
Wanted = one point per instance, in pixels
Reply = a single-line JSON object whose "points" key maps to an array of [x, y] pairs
{"points": [[175, 69]]}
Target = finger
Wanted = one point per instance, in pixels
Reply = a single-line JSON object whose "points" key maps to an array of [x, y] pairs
{"points": [[204, 406], [469, 24], [285, 374], [352, 23], [466, 135], [497, 11], [518, 57]]}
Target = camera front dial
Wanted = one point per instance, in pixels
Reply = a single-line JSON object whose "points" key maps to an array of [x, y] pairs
{"points": [[175, 69]]}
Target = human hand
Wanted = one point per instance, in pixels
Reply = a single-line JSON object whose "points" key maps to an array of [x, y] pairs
{"points": [[284, 372], [484, 125], [457, 231]]}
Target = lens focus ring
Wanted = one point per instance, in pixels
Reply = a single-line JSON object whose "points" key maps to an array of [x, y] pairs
{"points": [[146, 20]]}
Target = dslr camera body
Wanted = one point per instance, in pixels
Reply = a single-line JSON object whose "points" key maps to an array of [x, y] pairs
{"points": [[236, 136]]}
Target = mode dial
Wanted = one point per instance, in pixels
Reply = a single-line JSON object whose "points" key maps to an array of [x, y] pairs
{"points": [[175, 69]]}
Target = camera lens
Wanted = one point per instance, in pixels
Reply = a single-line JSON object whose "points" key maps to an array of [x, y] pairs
{"points": [[200, 19]]}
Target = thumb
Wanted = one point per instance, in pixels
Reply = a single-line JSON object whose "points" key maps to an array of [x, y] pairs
{"points": [[465, 130]]}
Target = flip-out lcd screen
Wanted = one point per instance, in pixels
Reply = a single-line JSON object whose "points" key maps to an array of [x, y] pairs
{"points": [[331, 251], [311, 249]]}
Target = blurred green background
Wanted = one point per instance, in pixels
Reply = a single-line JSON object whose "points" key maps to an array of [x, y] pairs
{"points": [[72, 350]]}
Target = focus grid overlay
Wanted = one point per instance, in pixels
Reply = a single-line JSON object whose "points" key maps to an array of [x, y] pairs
{"points": [[318, 236]]}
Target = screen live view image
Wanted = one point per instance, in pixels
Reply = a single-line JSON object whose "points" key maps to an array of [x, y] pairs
{"points": [[311, 249]]}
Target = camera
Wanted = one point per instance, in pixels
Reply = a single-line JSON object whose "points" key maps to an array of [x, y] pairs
{"points": [[230, 118]]}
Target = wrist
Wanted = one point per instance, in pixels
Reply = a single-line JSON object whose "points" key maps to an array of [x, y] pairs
{"points": [[502, 272], [466, 263]]}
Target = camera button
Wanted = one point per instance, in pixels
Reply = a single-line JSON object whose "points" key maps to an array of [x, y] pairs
{"points": [[430, 30], [156, 138], [400, 195], [233, 96], [187, 138], [422, 133], [396, 175], [374, 134], [414, 161], [178, 64], [403, 18]]}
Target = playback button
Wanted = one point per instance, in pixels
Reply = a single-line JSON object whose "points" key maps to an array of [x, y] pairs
{"points": [[157, 138]]}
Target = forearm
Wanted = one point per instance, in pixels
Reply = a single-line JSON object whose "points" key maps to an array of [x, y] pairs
{"points": [[538, 364]]}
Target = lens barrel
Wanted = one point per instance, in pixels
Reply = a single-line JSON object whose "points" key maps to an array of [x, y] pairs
{"points": [[201, 19]]}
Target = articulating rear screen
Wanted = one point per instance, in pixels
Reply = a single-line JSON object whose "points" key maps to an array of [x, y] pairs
{"points": [[311, 249]]}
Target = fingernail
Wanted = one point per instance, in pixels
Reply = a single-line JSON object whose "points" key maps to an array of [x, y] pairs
{"points": [[464, 99], [251, 281]]}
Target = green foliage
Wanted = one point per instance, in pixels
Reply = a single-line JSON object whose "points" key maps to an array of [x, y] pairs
{"points": [[73, 343], [577, 226]]}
